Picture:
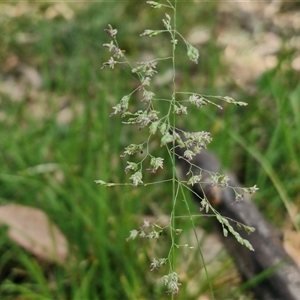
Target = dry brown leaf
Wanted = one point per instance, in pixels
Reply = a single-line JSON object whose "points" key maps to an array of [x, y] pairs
{"points": [[291, 243], [30, 228], [296, 63]]}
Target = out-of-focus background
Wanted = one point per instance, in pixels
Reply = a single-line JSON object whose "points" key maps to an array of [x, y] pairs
{"points": [[57, 137]]}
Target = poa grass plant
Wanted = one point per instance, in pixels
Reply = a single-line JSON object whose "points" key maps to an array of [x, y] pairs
{"points": [[97, 221], [165, 124]]}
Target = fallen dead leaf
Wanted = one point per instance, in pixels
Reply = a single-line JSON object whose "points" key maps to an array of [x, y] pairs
{"points": [[291, 243], [31, 229], [296, 63]]}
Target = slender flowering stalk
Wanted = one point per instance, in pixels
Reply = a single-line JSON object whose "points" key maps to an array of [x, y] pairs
{"points": [[162, 125]]}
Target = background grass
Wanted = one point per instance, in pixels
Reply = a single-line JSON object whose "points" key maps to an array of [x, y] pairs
{"points": [[260, 143]]}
